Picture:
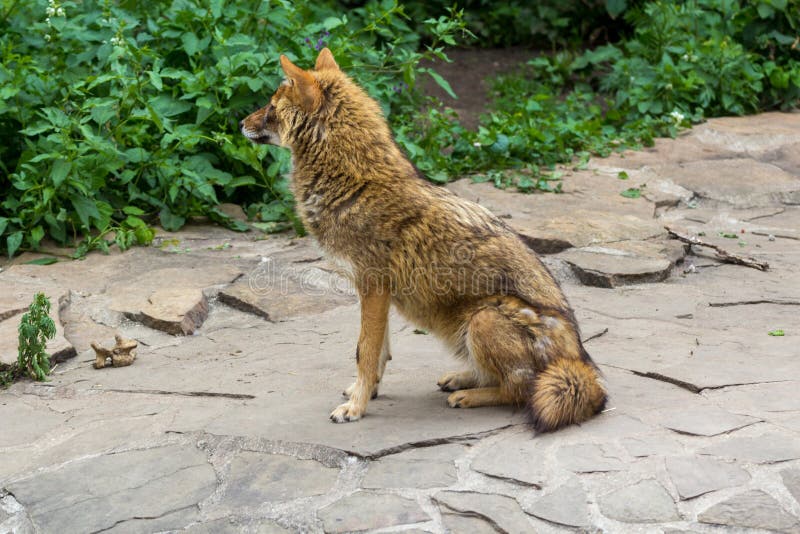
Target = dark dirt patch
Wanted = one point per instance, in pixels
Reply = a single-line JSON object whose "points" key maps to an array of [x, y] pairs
{"points": [[468, 75]]}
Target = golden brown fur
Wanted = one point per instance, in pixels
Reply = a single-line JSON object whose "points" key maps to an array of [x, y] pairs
{"points": [[446, 264]]}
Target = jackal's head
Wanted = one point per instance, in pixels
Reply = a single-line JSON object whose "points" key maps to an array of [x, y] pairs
{"points": [[311, 107]]}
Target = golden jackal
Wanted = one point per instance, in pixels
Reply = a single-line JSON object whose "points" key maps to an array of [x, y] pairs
{"points": [[447, 264]]}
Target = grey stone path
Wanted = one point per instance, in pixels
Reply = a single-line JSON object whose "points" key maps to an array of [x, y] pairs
{"points": [[221, 425]]}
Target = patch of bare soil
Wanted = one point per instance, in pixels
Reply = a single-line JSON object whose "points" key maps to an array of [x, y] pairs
{"points": [[469, 75]]}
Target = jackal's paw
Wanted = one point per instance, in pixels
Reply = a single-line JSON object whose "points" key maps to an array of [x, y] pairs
{"points": [[459, 399], [348, 392], [456, 381], [346, 413]]}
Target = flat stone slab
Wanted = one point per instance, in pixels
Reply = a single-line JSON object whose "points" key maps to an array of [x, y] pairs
{"points": [[644, 502], [454, 522], [256, 478], [504, 513], [587, 458], [566, 505], [696, 475], [742, 183], [590, 212], [169, 299], [651, 445], [751, 135], [791, 479], [771, 397], [703, 420], [398, 472], [232, 525], [510, 458], [627, 262], [113, 488], [764, 449], [365, 510], [584, 228], [277, 291], [176, 311], [751, 509]]}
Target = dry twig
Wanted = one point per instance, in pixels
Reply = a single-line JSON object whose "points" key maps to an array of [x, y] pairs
{"points": [[722, 254]]}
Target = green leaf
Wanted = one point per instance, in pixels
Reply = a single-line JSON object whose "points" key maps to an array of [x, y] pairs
{"points": [[167, 106], [13, 242], [3, 225], [441, 82], [616, 7], [776, 333], [765, 10], [36, 235], [622, 175], [49, 260], [633, 192], [60, 171], [191, 44], [331, 23], [133, 221], [729, 235], [155, 79], [170, 221], [86, 208], [132, 210]]}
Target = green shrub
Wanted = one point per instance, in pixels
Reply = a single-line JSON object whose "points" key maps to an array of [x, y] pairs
{"points": [[116, 114], [683, 62], [545, 23]]}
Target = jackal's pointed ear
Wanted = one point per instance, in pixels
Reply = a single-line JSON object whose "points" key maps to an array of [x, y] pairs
{"points": [[304, 87], [325, 60]]}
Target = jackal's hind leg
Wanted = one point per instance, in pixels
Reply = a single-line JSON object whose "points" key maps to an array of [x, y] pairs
{"points": [[475, 397], [457, 380]]}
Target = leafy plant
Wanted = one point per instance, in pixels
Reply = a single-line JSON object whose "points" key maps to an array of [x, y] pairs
{"points": [[35, 328], [116, 115], [681, 63]]}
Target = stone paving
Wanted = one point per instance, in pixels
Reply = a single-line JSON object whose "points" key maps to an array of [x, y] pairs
{"points": [[246, 342]]}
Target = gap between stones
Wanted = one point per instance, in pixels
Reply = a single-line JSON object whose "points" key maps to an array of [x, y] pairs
{"points": [[688, 385], [134, 518], [752, 302], [472, 513], [183, 393]]}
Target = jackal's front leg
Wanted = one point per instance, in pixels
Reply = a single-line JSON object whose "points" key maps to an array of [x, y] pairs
{"points": [[386, 355], [374, 317]]}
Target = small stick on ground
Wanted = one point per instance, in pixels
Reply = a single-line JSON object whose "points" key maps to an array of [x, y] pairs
{"points": [[722, 254]]}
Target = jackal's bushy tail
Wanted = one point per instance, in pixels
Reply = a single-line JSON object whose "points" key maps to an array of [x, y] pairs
{"points": [[568, 391]]}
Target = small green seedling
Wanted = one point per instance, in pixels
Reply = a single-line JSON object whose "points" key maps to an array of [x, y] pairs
{"points": [[35, 328], [633, 192]]}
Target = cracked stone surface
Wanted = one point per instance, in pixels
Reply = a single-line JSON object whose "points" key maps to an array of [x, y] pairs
{"points": [[694, 476], [107, 491], [644, 502], [364, 510], [231, 405], [566, 505], [703, 420], [254, 478], [752, 509], [765, 448], [502, 512]]}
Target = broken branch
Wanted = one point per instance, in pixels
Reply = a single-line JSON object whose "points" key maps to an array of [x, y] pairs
{"points": [[722, 254]]}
